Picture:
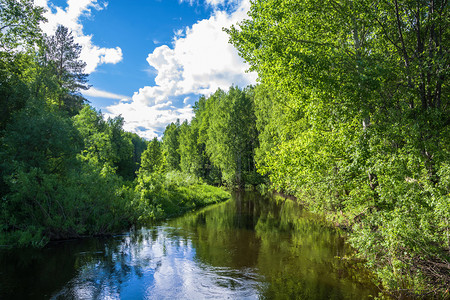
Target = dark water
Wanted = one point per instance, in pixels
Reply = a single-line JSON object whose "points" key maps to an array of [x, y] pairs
{"points": [[247, 248]]}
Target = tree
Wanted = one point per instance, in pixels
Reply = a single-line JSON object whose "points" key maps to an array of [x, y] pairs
{"points": [[152, 159], [139, 146], [201, 123], [106, 145], [48, 190], [192, 139], [232, 135], [121, 149], [171, 145], [62, 53], [359, 119], [14, 87], [189, 156], [19, 35], [19, 25]]}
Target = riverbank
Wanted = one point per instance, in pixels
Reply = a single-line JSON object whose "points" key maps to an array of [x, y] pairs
{"points": [[153, 197], [162, 196], [420, 275]]}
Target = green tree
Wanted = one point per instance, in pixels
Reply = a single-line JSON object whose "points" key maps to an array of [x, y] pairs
{"points": [[152, 159], [57, 180], [62, 53], [139, 146], [19, 35], [232, 135], [19, 25], [14, 86], [189, 156], [171, 145], [359, 120], [35, 160], [105, 142], [121, 148], [200, 123]]}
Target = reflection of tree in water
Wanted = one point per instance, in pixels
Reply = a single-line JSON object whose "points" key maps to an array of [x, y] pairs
{"points": [[158, 262], [299, 257], [224, 234], [294, 251]]}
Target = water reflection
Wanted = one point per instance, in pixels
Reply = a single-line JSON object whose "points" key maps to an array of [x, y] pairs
{"points": [[295, 254], [246, 248]]}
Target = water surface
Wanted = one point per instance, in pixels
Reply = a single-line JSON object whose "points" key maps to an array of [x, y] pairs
{"points": [[250, 247]]}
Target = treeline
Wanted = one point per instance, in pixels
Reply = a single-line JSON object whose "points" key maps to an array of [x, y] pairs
{"points": [[65, 171], [353, 117], [219, 143]]}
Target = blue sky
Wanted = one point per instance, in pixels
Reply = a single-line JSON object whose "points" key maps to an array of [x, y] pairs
{"points": [[150, 60]]}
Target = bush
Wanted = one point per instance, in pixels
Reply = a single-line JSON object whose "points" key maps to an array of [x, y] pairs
{"points": [[160, 196]]}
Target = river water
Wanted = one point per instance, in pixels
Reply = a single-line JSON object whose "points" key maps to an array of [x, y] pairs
{"points": [[250, 247]]}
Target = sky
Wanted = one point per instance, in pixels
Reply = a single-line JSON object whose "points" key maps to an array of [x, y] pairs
{"points": [[150, 60]]}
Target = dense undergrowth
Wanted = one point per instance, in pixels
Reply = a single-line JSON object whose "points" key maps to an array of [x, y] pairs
{"points": [[159, 196]]}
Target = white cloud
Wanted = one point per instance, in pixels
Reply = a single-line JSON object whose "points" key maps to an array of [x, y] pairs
{"points": [[70, 18], [149, 121], [110, 55], [93, 92], [199, 61]]}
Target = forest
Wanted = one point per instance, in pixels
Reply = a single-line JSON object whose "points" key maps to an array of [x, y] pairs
{"points": [[66, 171], [350, 115]]}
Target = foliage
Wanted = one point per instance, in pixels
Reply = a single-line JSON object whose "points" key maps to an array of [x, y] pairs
{"points": [[50, 194], [58, 175], [14, 86], [62, 54], [19, 25], [189, 149], [193, 139], [353, 115], [219, 143], [153, 159], [171, 145], [232, 135], [162, 191], [160, 195], [105, 142], [139, 146]]}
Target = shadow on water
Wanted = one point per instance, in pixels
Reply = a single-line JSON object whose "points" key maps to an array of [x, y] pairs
{"points": [[250, 247]]}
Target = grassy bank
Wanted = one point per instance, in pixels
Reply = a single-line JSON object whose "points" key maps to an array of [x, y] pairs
{"points": [[160, 196], [96, 205]]}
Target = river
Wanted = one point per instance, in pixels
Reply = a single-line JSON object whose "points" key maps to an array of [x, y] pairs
{"points": [[250, 247]]}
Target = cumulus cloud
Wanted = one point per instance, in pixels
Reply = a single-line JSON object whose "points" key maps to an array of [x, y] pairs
{"points": [[148, 121], [70, 17], [199, 61]]}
